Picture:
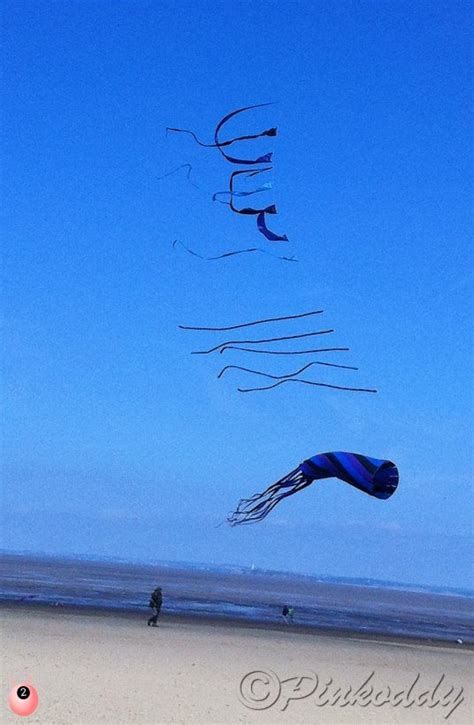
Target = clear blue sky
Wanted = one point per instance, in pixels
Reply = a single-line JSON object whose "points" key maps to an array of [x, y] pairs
{"points": [[117, 441]]}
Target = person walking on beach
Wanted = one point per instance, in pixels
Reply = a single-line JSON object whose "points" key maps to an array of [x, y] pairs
{"points": [[156, 600], [287, 614]]}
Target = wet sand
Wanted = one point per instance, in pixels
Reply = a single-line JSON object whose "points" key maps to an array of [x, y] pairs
{"points": [[90, 667], [227, 593]]}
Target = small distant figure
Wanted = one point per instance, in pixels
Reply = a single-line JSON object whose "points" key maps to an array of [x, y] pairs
{"points": [[287, 614], [156, 600]]}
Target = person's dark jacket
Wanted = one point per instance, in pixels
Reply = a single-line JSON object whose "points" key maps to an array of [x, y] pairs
{"points": [[156, 599]]}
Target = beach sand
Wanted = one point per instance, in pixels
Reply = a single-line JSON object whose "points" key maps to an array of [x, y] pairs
{"points": [[93, 667]]}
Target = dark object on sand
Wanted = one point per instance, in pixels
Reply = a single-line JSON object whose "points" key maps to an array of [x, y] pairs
{"points": [[156, 600]]}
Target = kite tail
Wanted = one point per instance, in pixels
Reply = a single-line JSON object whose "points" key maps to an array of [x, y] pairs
{"points": [[257, 507]]}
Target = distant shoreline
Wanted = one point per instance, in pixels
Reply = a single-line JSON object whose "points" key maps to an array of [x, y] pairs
{"points": [[45, 609], [231, 569], [249, 599]]}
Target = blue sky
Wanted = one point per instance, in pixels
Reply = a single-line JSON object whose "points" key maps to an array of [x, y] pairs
{"points": [[117, 441]]}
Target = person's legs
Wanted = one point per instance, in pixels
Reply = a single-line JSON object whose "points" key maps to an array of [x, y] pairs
{"points": [[153, 619]]}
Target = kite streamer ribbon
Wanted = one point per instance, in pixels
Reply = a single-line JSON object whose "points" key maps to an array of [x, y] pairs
{"points": [[260, 213], [233, 253], [307, 382], [287, 375], [267, 210], [265, 159], [178, 168], [230, 343], [284, 352], [263, 229], [254, 322], [263, 187]]}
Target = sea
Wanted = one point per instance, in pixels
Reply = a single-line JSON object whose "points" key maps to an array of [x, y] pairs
{"points": [[253, 596]]}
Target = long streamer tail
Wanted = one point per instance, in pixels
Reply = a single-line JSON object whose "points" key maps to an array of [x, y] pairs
{"points": [[257, 507]]}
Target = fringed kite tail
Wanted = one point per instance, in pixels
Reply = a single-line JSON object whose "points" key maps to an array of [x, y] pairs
{"points": [[257, 507]]}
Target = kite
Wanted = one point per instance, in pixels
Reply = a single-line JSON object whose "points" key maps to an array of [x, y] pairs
{"points": [[276, 380], [265, 159], [376, 477]]}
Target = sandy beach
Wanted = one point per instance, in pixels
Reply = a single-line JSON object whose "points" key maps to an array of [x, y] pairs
{"points": [[90, 667]]}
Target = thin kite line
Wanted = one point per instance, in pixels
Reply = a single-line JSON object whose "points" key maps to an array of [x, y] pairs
{"points": [[250, 324], [258, 342], [183, 166], [307, 382], [268, 132], [285, 352], [231, 254], [288, 375]]}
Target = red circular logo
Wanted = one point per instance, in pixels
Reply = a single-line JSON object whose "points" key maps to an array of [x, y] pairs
{"points": [[23, 699]]}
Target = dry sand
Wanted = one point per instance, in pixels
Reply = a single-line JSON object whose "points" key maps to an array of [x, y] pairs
{"points": [[96, 668]]}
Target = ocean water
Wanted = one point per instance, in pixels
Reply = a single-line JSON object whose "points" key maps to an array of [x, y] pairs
{"points": [[233, 593]]}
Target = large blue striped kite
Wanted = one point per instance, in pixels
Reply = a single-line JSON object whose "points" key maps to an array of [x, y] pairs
{"points": [[373, 476]]}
